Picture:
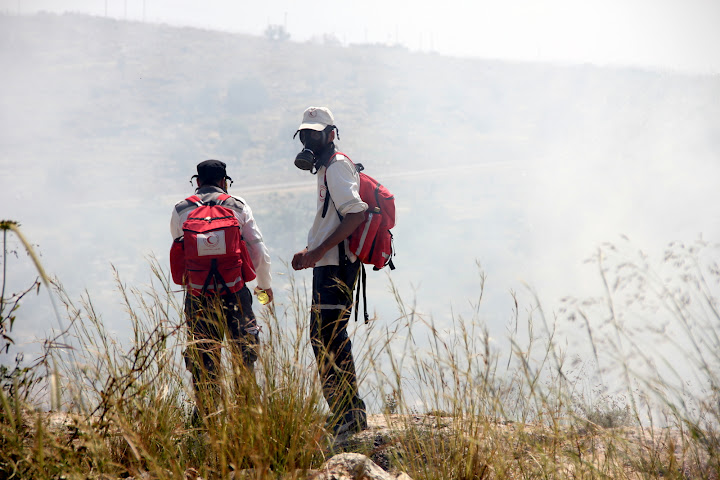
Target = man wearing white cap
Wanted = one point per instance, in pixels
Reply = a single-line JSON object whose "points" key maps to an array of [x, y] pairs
{"points": [[335, 269]]}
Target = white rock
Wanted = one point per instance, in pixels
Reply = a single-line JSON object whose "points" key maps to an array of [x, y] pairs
{"points": [[354, 466]]}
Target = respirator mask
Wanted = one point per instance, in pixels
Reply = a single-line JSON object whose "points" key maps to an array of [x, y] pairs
{"points": [[314, 144]]}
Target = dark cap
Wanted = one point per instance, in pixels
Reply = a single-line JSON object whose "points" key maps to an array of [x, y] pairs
{"points": [[211, 170]]}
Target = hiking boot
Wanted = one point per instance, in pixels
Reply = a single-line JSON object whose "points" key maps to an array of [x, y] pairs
{"points": [[196, 420], [352, 421]]}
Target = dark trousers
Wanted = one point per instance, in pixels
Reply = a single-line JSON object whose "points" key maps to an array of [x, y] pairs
{"points": [[209, 320], [331, 305]]}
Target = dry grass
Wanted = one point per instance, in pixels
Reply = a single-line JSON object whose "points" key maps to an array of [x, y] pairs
{"points": [[456, 404]]}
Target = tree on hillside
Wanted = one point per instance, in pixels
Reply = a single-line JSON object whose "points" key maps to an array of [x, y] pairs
{"points": [[277, 33]]}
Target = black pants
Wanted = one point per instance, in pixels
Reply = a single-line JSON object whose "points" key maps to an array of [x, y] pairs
{"points": [[331, 305], [209, 320]]}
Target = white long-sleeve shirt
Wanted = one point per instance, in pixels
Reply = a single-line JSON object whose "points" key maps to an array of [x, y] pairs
{"points": [[250, 231], [343, 181]]}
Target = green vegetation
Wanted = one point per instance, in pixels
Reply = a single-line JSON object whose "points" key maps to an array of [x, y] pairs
{"points": [[458, 409]]}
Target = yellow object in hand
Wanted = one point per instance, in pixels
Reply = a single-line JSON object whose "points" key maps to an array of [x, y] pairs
{"points": [[262, 296]]}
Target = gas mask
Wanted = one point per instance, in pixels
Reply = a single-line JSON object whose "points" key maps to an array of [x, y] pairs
{"points": [[314, 144], [305, 160]]}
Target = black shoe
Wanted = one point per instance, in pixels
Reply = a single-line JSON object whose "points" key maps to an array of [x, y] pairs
{"points": [[195, 418], [352, 421]]}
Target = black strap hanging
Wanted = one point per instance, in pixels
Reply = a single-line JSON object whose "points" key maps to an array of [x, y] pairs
{"points": [[362, 284], [214, 274]]}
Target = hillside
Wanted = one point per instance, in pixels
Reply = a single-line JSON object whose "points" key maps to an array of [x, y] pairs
{"points": [[152, 100], [164, 95]]}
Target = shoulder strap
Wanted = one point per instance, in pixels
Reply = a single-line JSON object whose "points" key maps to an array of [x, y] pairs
{"points": [[327, 201], [331, 160], [195, 199]]}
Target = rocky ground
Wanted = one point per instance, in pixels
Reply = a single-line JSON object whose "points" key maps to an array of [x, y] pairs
{"points": [[371, 454]]}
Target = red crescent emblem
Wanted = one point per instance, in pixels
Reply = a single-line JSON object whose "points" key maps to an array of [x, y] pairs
{"points": [[212, 240]]}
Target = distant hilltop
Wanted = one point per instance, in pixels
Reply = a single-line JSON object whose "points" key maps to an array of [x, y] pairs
{"points": [[92, 83]]}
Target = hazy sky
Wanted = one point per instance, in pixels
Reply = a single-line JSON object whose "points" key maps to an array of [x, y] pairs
{"points": [[669, 34]]}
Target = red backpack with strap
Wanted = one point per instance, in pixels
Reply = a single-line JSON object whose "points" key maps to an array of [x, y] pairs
{"points": [[211, 256], [371, 241]]}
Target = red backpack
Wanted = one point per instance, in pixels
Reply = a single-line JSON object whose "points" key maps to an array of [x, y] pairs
{"points": [[211, 256], [371, 241]]}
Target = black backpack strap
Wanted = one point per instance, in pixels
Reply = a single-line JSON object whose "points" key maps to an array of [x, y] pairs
{"points": [[362, 284], [330, 161], [358, 167], [360, 280], [327, 202], [213, 265], [327, 198], [214, 274], [392, 252]]}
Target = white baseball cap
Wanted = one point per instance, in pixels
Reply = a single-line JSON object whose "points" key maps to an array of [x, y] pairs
{"points": [[317, 118]]}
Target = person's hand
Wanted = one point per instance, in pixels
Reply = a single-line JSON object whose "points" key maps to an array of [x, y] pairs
{"points": [[269, 294], [296, 261], [306, 259]]}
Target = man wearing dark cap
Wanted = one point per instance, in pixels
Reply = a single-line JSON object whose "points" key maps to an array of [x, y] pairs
{"points": [[211, 317], [335, 268]]}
